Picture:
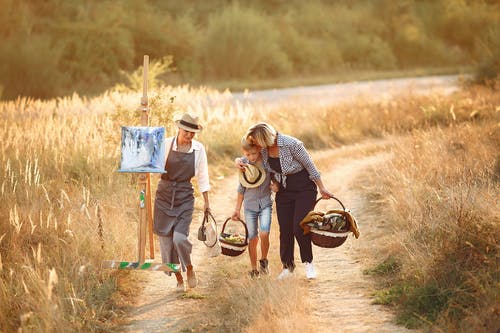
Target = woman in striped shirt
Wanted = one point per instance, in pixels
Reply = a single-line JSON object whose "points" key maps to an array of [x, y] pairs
{"points": [[297, 184]]}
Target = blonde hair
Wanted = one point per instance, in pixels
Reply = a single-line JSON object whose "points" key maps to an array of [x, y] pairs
{"points": [[246, 145], [261, 134]]}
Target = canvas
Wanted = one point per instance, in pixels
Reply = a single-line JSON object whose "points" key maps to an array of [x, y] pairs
{"points": [[143, 149]]}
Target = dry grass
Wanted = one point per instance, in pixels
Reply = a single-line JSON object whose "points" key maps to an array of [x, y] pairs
{"points": [[65, 209], [237, 303], [440, 196]]}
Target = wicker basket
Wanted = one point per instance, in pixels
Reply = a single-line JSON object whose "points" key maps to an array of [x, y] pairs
{"points": [[229, 248], [330, 238]]}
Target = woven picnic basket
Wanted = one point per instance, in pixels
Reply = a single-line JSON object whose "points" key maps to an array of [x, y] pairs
{"points": [[333, 238], [229, 248]]}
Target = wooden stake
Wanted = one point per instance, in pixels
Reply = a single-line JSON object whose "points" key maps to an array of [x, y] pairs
{"points": [[149, 208], [142, 219], [145, 209]]}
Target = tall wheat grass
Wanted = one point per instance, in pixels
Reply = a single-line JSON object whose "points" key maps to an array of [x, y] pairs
{"points": [[65, 209], [440, 197]]}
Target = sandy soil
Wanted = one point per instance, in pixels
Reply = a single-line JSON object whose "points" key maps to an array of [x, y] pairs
{"points": [[347, 301], [341, 294]]}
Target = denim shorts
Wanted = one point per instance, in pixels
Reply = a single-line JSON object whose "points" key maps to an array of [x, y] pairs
{"points": [[263, 216]]}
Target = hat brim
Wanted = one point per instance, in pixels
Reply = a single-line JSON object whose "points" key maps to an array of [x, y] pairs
{"points": [[246, 183], [187, 128]]}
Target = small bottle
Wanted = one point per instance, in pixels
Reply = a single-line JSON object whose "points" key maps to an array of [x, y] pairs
{"points": [[142, 200]]}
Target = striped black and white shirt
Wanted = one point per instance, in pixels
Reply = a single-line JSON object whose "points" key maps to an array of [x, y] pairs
{"points": [[293, 158]]}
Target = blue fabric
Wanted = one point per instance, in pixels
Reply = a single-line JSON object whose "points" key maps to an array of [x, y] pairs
{"points": [[252, 219]]}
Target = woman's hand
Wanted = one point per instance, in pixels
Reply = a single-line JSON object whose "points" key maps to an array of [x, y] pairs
{"points": [[325, 194], [239, 164]]}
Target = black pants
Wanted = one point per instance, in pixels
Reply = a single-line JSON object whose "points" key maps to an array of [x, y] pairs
{"points": [[291, 208]]}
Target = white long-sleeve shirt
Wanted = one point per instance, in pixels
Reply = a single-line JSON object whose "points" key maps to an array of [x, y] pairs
{"points": [[200, 161]]}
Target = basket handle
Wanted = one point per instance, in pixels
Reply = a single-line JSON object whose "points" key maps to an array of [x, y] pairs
{"points": [[206, 214], [238, 220], [332, 197]]}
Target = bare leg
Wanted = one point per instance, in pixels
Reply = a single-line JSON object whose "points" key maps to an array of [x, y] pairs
{"points": [[191, 276], [264, 244], [252, 251]]}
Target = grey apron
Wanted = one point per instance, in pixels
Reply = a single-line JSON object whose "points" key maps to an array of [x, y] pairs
{"points": [[174, 202]]}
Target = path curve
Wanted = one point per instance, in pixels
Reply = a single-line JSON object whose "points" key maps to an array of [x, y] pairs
{"points": [[341, 295], [324, 95]]}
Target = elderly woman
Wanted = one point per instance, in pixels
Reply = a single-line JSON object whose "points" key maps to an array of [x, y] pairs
{"points": [[298, 180], [174, 203]]}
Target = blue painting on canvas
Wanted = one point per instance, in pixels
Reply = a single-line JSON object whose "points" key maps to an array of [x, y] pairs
{"points": [[143, 149]]}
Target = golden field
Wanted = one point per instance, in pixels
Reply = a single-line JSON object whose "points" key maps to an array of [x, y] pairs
{"points": [[65, 208]]}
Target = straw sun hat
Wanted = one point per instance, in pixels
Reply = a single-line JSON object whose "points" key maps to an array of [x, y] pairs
{"points": [[253, 176], [189, 123]]}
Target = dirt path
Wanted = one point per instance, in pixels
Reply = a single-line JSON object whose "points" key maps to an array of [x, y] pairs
{"points": [[329, 94], [346, 303], [160, 308], [341, 293]]}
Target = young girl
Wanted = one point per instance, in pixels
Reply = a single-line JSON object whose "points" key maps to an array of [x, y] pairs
{"points": [[254, 191]]}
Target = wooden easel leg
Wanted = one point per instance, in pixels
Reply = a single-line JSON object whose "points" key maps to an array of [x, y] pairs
{"points": [[141, 251], [149, 207]]}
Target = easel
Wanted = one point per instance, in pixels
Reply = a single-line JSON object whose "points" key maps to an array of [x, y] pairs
{"points": [[145, 205]]}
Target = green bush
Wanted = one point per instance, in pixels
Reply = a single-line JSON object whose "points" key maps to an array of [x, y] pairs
{"points": [[367, 51], [240, 42], [310, 55], [27, 67], [488, 68]]}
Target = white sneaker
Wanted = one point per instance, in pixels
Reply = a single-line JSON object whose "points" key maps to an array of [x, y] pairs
{"points": [[285, 273], [310, 271]]}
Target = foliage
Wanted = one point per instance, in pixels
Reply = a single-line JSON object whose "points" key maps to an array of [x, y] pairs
{"points": [[53, 48], [241, 42], [488, 69], [134, 81]]}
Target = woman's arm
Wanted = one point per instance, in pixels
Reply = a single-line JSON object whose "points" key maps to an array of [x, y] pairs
{"points": [[300, 153], [325, 194], [202, 170], [206, 202]]}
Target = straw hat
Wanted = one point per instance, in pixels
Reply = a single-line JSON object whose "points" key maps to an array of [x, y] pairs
{"points": [[189, 123], [253, 176]]}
